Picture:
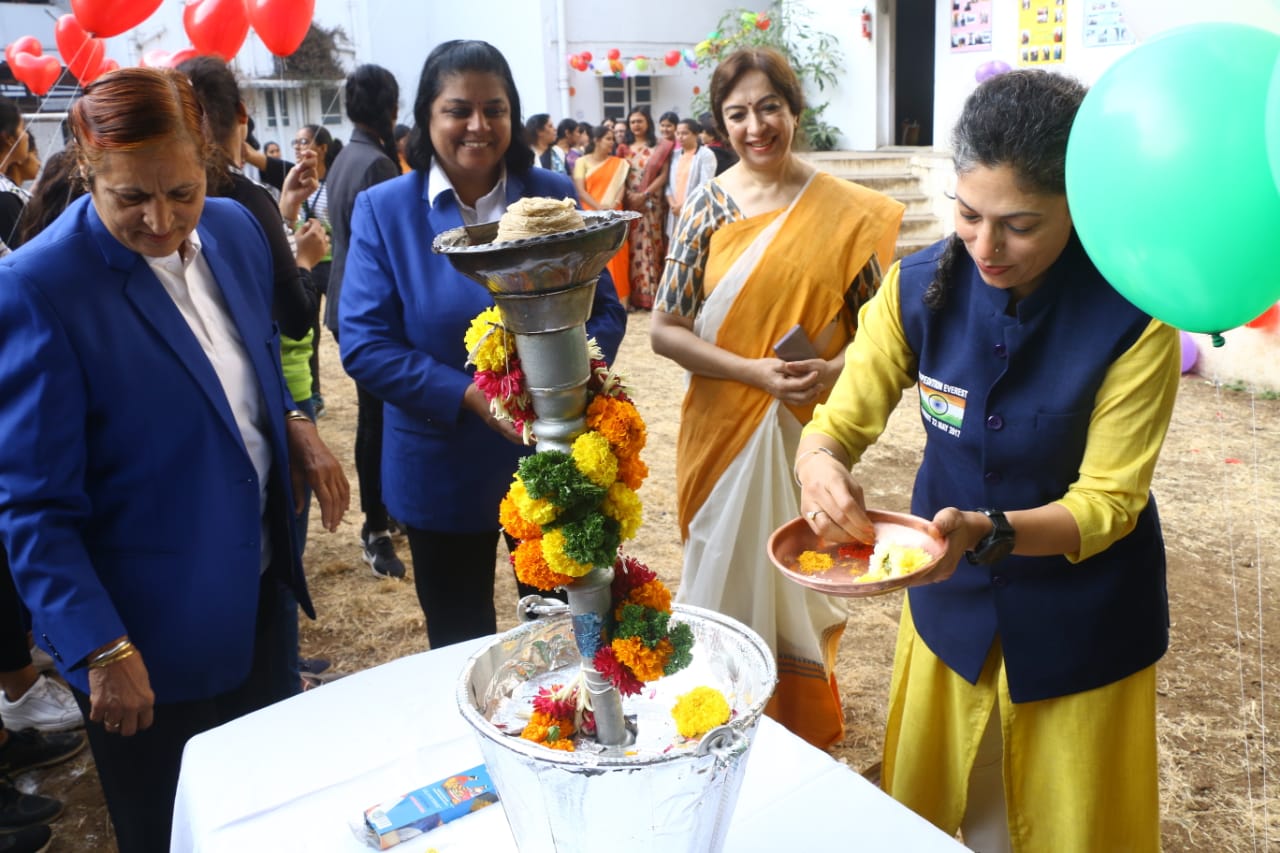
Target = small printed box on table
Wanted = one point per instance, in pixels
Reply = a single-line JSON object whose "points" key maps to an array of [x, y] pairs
{"points": [[420, 811]]}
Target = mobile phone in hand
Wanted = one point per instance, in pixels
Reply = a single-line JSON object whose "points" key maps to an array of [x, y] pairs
{"points": [[795, 346]]}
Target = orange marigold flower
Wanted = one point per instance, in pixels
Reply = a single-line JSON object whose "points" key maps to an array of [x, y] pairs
{"points": [[554, 732], [514, 523], [646, 663], [632, 471], [619, 421], [532, 568], [652, 594]]}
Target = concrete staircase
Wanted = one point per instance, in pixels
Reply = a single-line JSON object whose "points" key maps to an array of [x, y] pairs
{"points": [[896, 172]]}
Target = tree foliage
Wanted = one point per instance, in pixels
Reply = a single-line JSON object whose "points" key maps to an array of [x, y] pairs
{"points": [[316, 58], [813, 54]]}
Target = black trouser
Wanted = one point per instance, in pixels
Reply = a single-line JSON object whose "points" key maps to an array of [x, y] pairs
{"points": [[15, 652], [139, 774], [453, 574], [369, 458]]}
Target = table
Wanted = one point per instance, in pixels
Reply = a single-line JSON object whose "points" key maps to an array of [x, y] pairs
{"points": [[298, 775]]}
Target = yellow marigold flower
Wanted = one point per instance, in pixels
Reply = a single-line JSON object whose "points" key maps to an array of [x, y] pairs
{"points": [[539, 511], [699, 711], [557, 560], [594, 458], [623, 505], [488, 343], [632, 471], [514, 523], [531, 566], [646, 663]]}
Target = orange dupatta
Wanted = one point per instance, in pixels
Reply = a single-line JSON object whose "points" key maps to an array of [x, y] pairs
{"points": [[607, 182], [832, 231]]}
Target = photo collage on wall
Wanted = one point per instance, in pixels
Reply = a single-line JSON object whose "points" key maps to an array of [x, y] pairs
{"points": [[970, 25], [1104, 24], [1042, 28]]}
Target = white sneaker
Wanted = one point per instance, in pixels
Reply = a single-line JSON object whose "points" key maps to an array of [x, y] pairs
{"points": [[47, 706]]}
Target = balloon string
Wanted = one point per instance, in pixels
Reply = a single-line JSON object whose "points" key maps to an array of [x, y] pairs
{"points": [[1235, 600]]}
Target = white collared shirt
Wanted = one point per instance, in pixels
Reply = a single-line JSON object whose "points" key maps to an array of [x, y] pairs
{"points": [[191, 285], [489, 207]]}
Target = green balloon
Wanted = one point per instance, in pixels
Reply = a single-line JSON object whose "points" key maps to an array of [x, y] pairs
{"points": [[1169, 180], [1273, 125]]}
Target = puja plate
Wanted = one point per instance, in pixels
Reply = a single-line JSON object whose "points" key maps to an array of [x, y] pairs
{"points": [[792, 539]]}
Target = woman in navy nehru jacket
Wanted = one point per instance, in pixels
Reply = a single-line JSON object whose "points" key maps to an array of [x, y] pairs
{"points": [[1022, 704]]}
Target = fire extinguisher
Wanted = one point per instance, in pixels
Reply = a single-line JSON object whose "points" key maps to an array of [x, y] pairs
{"points": [[866, 23]]}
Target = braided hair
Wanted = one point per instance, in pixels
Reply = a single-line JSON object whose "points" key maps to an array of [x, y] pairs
{"points": [[373, 99], [1021, 119]]}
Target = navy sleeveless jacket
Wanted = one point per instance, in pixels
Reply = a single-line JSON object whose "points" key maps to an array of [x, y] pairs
{"points": [[1006, 403]]}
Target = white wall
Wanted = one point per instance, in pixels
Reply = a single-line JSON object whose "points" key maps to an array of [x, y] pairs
{"points": [[1148, 18]]}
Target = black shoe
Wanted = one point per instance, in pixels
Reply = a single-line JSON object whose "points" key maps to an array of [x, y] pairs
{"points": [[27, 750], [380, 554], [18, 810], [312, 666], [33, 839]]}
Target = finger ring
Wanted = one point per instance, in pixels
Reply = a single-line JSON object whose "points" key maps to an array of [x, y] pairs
{"points": [[812, 515], [113, 725]]}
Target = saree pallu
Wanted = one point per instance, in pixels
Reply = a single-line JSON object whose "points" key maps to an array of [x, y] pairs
{"points": [[607, 183], [737, 443]]}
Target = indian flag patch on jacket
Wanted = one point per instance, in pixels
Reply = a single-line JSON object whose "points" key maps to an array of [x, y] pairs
{"points": [[942, 405]]}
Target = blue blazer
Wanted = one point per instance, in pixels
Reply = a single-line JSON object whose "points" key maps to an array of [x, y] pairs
{"points": [[404, 311], [128, 503]]}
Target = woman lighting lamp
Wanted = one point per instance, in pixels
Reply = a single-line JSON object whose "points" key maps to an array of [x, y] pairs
{"points": [[1022, 704]]}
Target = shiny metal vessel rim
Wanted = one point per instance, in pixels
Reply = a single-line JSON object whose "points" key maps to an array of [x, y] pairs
{"points": [[611, 759], [478, 239]]}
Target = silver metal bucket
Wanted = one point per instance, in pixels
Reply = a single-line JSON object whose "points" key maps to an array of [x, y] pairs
{"points": [[648, 796]]}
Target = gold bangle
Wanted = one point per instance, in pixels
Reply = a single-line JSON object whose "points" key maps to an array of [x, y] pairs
{"points": [[116, 649], [127, 653], [296, 415], [795, 469]]}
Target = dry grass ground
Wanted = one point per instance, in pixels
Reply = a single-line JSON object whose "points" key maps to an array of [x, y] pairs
{"points": [[1217, 482]]}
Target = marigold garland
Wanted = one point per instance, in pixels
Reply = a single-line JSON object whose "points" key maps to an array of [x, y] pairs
{"points": [[572, 511]]}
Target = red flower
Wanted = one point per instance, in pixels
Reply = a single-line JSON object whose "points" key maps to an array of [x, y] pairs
{"points": [[556, 701], [629, 573], [608, 665]]}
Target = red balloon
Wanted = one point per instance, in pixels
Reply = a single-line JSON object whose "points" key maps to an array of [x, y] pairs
{"points": [[180, 56], [82, 53], [672, 58], [164, 59], [281, 24], [108, 66], [586, 54], [26, 44], [39, 73], [762, 22], [697, 90], [107, 18], [216, 27], [614, 53], [1267, 321]]}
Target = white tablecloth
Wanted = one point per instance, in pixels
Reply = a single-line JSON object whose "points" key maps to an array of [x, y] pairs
{"points": [[298, 775]]}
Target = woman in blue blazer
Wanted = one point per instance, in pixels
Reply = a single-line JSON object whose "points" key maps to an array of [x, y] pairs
{"points": [[145, 472], [446, 461]]}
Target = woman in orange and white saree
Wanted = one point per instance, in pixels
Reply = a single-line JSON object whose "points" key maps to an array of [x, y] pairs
{"points": [[601, 180], [741, 273]]}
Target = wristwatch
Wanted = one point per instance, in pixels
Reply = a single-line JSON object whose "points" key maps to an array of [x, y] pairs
{"points": [[997, 544]]}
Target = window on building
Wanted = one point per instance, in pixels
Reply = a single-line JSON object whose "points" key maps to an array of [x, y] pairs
{"points": [[330, 105], [623, 96], [277, 101]]}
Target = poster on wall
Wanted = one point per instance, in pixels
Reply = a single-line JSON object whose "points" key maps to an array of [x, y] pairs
{"points": [[1041, 29], [1104, 24], [970, 25]]}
